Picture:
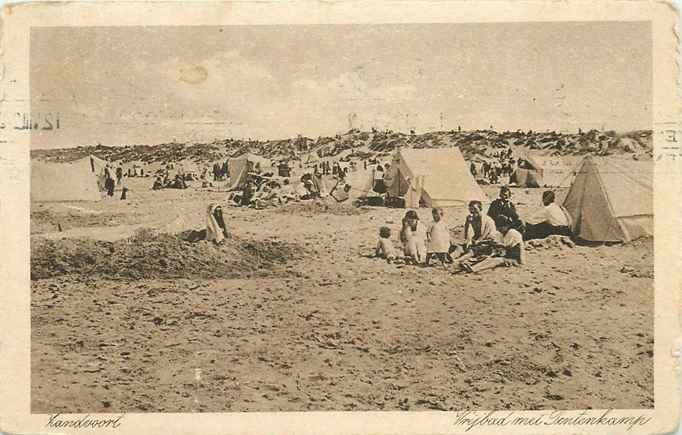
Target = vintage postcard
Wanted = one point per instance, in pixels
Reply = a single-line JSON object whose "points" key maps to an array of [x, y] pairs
{"points": [[345, 217]]}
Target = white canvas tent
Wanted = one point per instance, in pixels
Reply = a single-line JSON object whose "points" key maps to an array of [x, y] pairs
{"points": [[239, 168], [437, 177], [550, 171], [612, 200], [75, 181]]}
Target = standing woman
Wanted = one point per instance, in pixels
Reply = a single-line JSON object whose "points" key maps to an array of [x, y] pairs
{"points": [[379, 185]]}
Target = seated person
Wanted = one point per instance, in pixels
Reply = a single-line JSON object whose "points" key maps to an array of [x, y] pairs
{"points": [[266, 197], [215, 224], [385, 248], [550, 219], [509, 253], [158, 184], [288, 192], [179, 182], [480, 233], [311, 192], [503, 206], [247, 193]]}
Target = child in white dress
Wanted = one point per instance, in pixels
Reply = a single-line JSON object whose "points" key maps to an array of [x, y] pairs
{"points": [[413, 236], [438, 236]]}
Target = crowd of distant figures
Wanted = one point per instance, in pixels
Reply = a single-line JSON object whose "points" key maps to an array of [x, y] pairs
{"points": [[501, 164], [490, 170]]}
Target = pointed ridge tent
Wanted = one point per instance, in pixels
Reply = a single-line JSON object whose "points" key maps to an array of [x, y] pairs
{"points": [[445, 177], [311, 159], [545, 171], [612, 200], [75, 181], [239, 168]]}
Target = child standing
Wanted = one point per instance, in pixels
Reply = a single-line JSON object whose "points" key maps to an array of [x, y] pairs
{"points": [[413, 236], [385, 247], [438, 237]]}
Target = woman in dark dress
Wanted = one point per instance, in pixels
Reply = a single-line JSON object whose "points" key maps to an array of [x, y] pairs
{"points": [[503, 206]]}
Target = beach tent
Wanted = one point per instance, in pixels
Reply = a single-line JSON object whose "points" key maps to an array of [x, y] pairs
{"points": [[311, 159], [438, 177], [239, 168], [549, 171], [612, 200], [324, 184], [79, 180]]}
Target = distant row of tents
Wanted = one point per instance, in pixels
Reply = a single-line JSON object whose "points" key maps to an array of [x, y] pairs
{"points": [[609, 199]]}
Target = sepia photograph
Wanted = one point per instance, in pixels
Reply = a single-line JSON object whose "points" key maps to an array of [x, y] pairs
{"points": [[341, 217]]}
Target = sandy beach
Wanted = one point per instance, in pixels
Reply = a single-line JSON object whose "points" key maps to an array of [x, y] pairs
{"points": [[293, 314]]}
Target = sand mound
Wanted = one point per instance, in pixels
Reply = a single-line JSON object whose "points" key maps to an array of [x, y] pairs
{"points": [[153, 256], [553, 241], [323, 207], [45, 221]]}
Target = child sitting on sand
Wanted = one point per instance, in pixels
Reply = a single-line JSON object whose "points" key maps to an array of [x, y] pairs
{"points": [[413, 237], [509, 253], [438, 237], [385, 247]]}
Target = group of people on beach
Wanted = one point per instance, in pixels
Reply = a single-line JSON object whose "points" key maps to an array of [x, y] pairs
{"points": [[110, 180], [490, 240], [263, 191]]}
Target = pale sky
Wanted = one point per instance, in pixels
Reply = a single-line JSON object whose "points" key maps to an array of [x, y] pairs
{"points": [[147, 85]]}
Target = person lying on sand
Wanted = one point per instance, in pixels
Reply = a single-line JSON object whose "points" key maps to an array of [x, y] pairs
{"points": [[287, 192], [438, 237], [413, 237], [480, 234], [267, 196], [509, 253], [385, 247], [550, 219]]}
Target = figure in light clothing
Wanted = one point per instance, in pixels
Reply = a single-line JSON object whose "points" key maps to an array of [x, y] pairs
{"points": [[480, 234], [385, 248], [438, 237], [413, 237], [508, 253], [215, 224], [550, 219]]}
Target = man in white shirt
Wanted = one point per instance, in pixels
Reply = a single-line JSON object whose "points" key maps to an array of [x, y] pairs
{"points": [[550, 219]]}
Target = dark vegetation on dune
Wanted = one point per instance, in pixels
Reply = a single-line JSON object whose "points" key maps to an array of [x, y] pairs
{"points": [[159, 256], [471, 143]]}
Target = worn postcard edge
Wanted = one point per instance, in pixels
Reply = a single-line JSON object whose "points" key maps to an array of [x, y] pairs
{"points": [[17, 20]]}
